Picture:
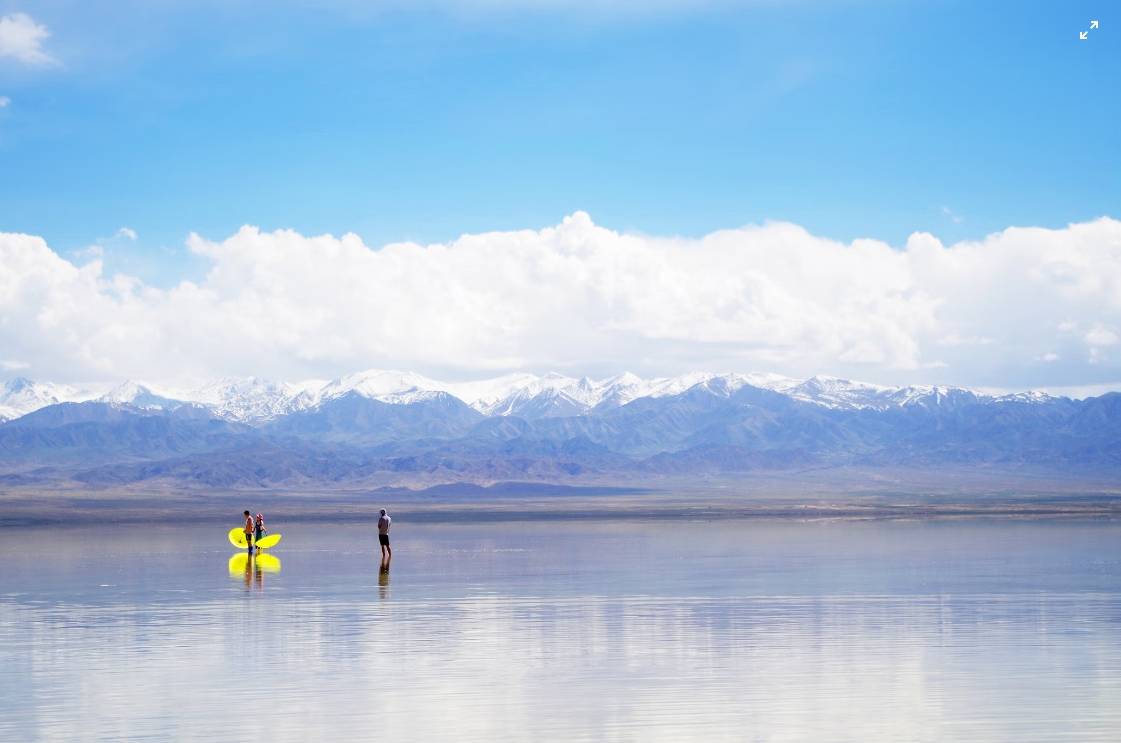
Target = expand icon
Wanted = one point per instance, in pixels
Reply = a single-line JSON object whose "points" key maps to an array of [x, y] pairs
{"points": [[1083, 35]]}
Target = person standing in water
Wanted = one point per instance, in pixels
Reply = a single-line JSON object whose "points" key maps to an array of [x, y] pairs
{"points": [[383, 535], [249, 531], [258, 529]]}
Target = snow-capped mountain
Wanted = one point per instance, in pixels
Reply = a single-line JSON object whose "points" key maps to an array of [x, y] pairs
{"points": [[485, 395], [556, 395], [252, 399], [141, 396], [1031, 397], [840, 393], [550, 396], [377, 384], [529, 396], [844, 394], [20, 396], [383, 426]]}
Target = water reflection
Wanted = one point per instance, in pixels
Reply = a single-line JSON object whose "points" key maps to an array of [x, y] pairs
{"points": [[252, 568], [565, 631], [238, 564], [268, 563], [383, 578]]}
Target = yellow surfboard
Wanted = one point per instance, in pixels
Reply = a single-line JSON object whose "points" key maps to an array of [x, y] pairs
{"points": [[238, 539]]}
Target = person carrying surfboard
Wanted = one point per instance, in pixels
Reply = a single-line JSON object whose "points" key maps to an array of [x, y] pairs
{"points": [[383, 535], [249, 531], [259, 528]]}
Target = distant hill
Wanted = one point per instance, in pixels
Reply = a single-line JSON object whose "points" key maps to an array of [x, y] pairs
{"points": [[389, 428]]}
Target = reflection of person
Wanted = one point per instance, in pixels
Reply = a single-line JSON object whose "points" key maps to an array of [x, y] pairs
{"points": [[249, 531], [383, 535], [259, 528], [383, 578]]}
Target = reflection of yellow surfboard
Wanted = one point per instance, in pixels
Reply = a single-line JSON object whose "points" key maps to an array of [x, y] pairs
{"points": [[265, 562], [237, 539], [238, 563]]}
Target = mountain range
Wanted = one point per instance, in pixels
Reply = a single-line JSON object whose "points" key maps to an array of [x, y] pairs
{"points": [[385, 427]]}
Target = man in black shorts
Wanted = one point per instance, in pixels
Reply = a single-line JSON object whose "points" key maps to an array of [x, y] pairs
{"points": [[383, 535]]}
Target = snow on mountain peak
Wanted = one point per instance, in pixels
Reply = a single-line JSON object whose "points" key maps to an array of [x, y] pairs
{"points": [[1029, 396], [835, 392], [140, 395], [124, 392], [21, 396], [248, 399], [626, 378], [253, 399], [378, 383], [485, 394], [18, 384]]}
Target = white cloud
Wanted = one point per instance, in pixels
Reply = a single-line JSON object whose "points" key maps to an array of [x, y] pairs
{"points": [[955, 340], [10, 365], [951, 215], [1101, 336], [578, 297], [91, 251], [21, 38], [97, 250], [4, 101]]}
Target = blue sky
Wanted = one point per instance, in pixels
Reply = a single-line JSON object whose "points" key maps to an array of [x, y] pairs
{"points": [[732, 157], [422, 122]]}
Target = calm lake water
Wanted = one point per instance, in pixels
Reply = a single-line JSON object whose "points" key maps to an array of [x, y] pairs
{"points": [[567, 630]]}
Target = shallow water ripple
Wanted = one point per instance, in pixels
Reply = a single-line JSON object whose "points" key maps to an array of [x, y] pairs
{"points": [[749, 631]]}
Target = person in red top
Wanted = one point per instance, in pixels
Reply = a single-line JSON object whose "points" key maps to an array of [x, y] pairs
{"points": [[249, 531]]}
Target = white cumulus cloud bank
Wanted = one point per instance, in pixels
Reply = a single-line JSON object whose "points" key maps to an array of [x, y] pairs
{"points": [[1023, 307], [21, 39]]}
